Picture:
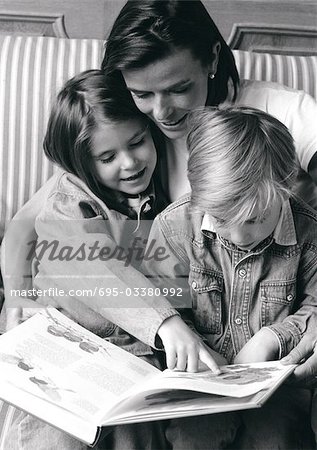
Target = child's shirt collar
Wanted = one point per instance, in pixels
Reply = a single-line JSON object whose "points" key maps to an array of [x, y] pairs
{"points": [[140, 206], [140, 203], [284, 233]]}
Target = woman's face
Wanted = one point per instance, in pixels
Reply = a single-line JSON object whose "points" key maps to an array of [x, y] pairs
{"points": [[169, 88]]}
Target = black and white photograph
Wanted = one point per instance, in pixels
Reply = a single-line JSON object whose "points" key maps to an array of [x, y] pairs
{"points": [[158, 224]]}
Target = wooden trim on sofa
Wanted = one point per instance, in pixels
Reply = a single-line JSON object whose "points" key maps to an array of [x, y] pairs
{"points": [[33, 24], [274, 38]]}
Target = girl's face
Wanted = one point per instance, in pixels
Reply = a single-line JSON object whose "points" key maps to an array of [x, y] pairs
{"points": [[171, 87], [250, 233], [124, 156]]}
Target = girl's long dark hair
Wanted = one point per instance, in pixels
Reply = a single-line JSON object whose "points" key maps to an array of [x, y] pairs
{"points": [[84, 100]]}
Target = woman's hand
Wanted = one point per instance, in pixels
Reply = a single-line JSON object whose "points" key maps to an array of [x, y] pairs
{"points": [[304, 354], [263, 346], [185, 349]]}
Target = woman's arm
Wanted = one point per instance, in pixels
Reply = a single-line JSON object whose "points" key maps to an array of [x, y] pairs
{"points": [[16, 266], [17, 269], [305, 354]]}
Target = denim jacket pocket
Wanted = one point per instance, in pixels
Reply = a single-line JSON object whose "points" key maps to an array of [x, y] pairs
{"points": [[277, 299], [206, 289]]}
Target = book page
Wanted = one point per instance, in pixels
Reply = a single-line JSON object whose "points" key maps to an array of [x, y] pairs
{"points": [[60, 363], [236, 380], [182, 394], [158, 405]]}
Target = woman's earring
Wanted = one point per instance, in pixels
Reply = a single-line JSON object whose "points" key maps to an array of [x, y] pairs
{"points": [[211, 76]]}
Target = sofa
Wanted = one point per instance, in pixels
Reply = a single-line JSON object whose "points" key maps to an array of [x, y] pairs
{"points": [[32, 70]]}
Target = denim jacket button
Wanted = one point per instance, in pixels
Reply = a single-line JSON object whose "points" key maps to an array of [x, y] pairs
{"points": [[238, 321], [290, 297], [194, 285], [242, 273]]}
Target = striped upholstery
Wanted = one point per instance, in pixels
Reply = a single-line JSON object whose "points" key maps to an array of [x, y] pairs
{"points": [[32, 69], [298, 72], [7, 413]]}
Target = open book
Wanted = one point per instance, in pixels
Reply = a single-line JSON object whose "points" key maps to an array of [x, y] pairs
{"points": [[60, 372]]}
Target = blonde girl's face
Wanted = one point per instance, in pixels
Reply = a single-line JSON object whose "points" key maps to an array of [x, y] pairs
{"points": [[124, 156], [168, 89]]}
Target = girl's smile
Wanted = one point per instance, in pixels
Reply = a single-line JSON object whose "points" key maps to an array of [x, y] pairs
{"points": [[136, 177]]}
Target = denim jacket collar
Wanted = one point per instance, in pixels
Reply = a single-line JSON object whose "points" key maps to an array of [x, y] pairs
{"points": [[284, 233]]}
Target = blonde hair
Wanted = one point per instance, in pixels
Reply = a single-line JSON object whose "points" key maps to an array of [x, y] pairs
{"points": [[238, 158]]}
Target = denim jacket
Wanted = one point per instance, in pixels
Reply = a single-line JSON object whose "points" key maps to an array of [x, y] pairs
{"points": [[229, 294], [72, 224]]}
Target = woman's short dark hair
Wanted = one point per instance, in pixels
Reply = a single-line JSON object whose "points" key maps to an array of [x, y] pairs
{"points": [[85, 99], [148, 30]]}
